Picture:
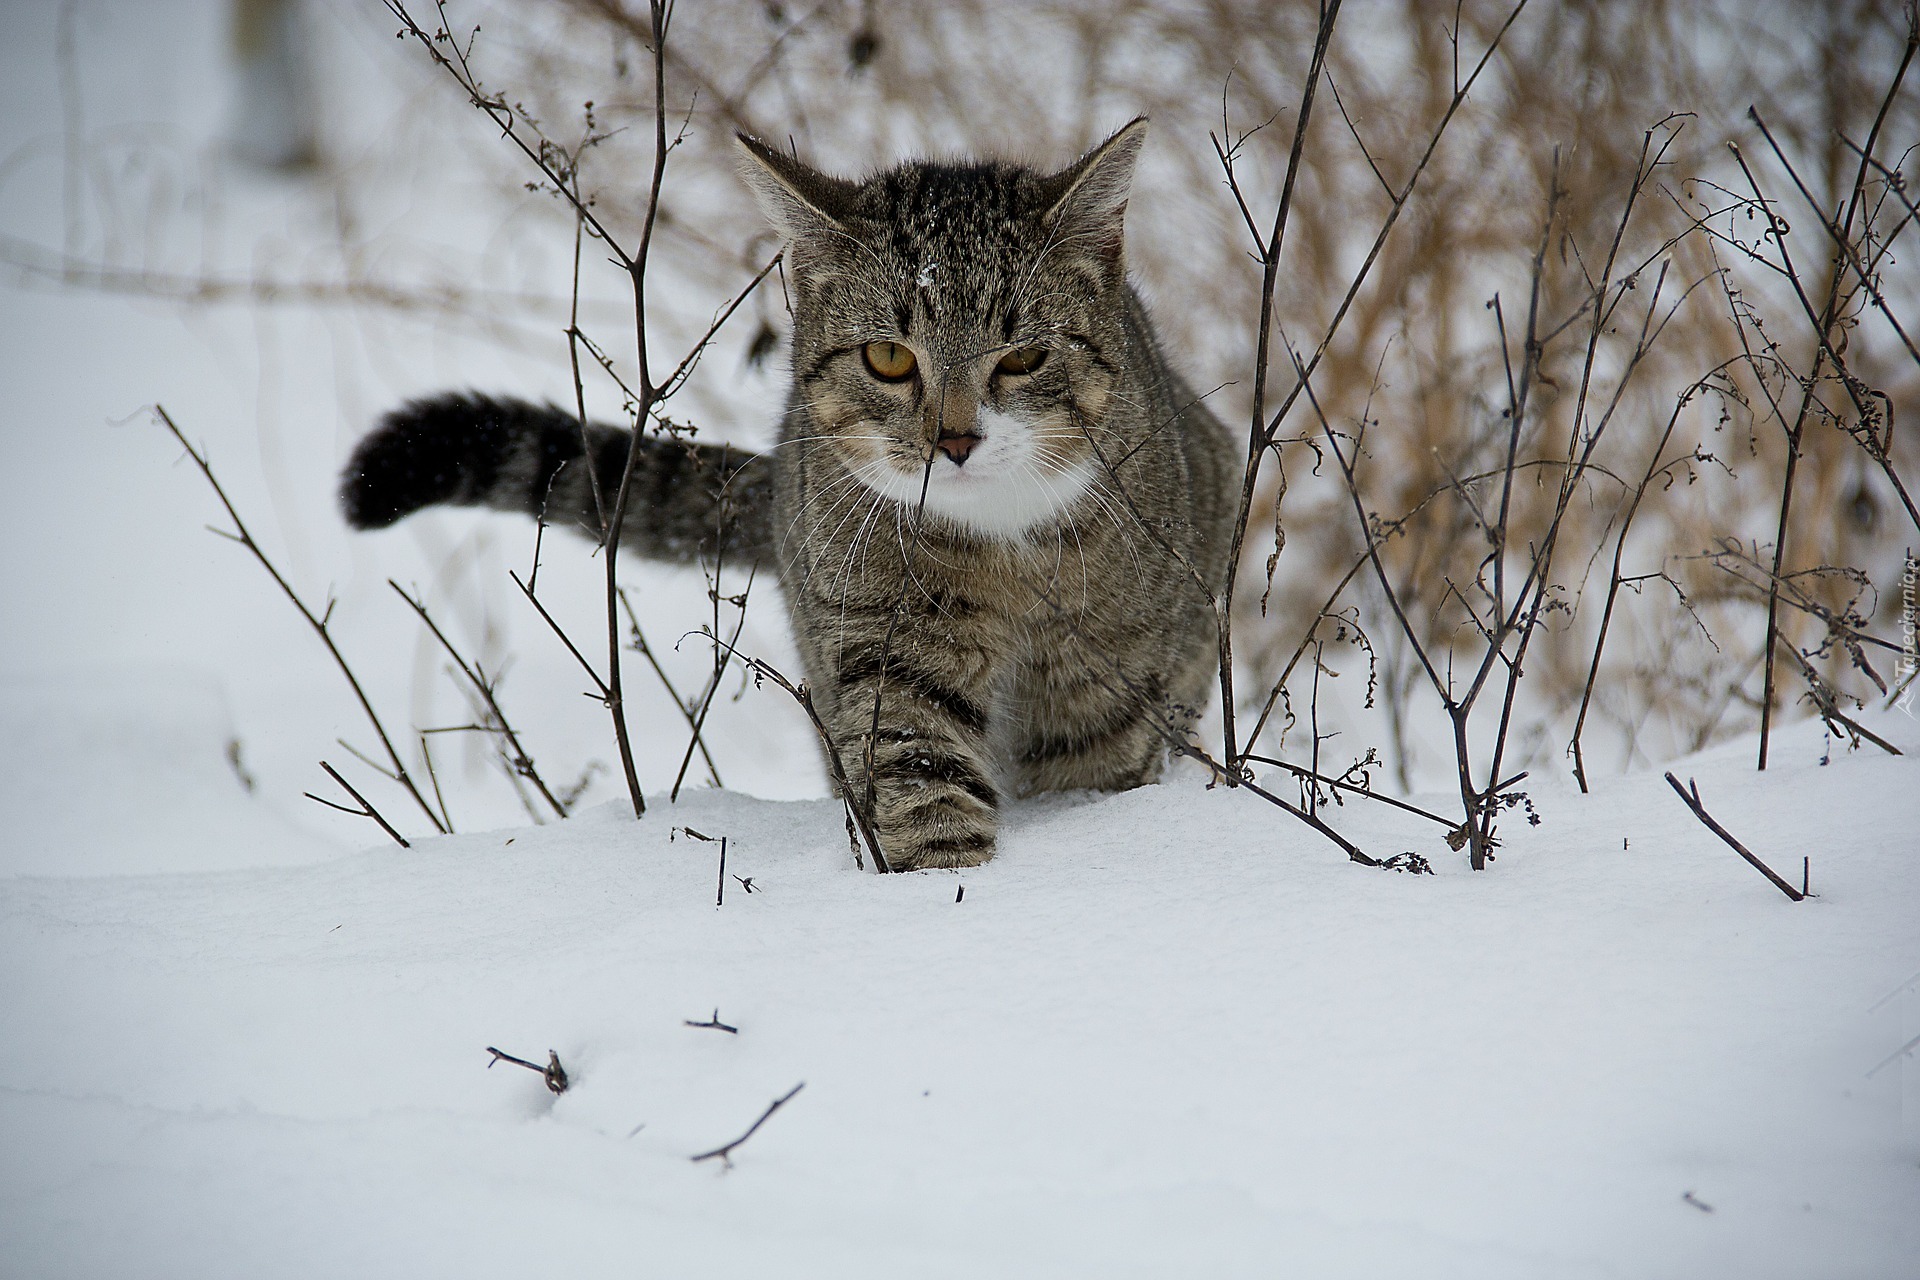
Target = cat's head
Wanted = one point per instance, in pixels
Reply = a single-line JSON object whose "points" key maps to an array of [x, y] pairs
{"points": [[960, 330]]}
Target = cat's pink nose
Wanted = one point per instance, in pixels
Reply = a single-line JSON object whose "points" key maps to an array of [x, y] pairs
{"points": [[958, 447]]}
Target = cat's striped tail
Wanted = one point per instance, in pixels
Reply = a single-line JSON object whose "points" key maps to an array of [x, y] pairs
{"points": [[688, 503]]}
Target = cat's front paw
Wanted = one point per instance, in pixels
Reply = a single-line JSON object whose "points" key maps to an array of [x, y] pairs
{"points": [[935, 807], [930, 855]]}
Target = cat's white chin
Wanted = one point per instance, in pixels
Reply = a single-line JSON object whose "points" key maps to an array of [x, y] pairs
{"points": [[1004, 489]]}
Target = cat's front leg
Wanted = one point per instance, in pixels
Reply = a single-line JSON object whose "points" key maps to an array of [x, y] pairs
{"points": [[931, 786]]}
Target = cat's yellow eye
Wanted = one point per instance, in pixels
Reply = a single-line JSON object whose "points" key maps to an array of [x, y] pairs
{"points": [[1022, 360], [888, 361]]}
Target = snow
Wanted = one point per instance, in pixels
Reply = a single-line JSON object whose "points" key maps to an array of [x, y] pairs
{"points": [[1170, 1032], [91, 754], [1161, 1033]]}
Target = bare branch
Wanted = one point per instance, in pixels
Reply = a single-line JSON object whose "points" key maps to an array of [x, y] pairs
{"points": [[725, 1153], [516, 755], [318, 623], [1690, 794], [553, 1073], [365, 810]]}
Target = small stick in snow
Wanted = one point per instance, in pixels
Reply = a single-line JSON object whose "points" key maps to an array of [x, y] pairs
{"points": [[713, 1023], [720, 893], [1691, 795], [364, 811], [726, 1153], [554, 1074]]}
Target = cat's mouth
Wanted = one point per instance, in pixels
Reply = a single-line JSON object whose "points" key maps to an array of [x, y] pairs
{"points": [[998, 482]]}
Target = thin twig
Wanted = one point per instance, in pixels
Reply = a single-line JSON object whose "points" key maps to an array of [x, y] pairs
{"points": [[1875, 448], [713, 1024], [1348, 787], [704, 704], [1259, 437], [558, 630], [365, 810], [685, 708], [553, 1073], [426, 758], [318, 623], [1690, 794], [1614, 580], [725, 1153], [660, 12], [517, 758], [857, 813], [1823, 699], [685, 369]]}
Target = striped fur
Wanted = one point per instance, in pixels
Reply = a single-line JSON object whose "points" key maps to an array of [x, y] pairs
{"points": [[998, 564], [688, 502]]}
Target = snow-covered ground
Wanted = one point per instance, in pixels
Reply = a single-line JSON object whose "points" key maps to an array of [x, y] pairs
{"points": [[1161, 1034], [1165, 1033]]}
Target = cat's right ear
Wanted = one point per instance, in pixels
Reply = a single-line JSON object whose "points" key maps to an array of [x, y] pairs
{"points": [[1088, 199], [800, 202]]}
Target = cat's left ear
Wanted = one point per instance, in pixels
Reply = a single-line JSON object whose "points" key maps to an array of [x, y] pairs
{"points": [[1087, 200], [800, 202]]}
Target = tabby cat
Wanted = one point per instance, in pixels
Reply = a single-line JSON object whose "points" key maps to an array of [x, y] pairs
{"points": [[995, 511]]}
